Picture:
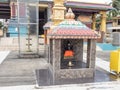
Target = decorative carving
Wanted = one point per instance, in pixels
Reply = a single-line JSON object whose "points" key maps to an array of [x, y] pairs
{"points": [[59, 14], [58, 11]]}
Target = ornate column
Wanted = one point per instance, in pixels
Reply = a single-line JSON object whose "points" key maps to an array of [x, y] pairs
{"points": [[103, 21], [103, 25], [94, 21], [58, 11]]}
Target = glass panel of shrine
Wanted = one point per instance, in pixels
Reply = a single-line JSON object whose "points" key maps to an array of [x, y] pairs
{"points": [[28, 26]]}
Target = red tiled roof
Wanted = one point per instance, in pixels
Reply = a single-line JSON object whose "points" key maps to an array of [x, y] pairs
{"points": [[88, 34], [47, 25], [72, 29]]}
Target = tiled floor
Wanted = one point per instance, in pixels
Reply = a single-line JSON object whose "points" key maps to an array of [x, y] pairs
{"points": [[103, 80]]}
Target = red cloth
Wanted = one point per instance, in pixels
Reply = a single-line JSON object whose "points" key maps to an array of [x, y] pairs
{"points": [[68, 53]]}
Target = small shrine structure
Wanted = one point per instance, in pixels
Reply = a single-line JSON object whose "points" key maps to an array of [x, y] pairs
{"points": [[66, 42]]}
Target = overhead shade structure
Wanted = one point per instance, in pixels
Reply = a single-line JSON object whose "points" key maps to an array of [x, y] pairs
{"points": [[5, 11], [94, 7]]}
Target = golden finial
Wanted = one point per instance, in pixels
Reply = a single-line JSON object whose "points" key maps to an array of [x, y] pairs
{"points": [[70, 14]]}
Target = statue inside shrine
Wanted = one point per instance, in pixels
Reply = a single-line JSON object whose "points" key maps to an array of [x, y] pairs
{"points": [[69, 54]]}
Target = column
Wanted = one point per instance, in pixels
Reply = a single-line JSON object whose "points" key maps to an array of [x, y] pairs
{"points": [[91, 53], [49, 12], [103, 21], [13, 10], [56, 58], [56, 53], [94, 21], [58, 11], [50, 52], [78, 48]]}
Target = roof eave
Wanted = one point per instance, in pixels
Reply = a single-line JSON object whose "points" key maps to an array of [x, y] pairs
{"points": [[84, 5], [73, 37]]}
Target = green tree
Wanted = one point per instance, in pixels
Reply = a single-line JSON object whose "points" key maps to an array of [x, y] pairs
{"points": [[116, 4], [1, 25], [116, 11]]}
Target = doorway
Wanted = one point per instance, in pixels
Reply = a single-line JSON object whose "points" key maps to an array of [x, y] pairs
{"points": [[42, 19]]}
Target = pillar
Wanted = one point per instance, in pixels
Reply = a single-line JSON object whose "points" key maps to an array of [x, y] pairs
{"points": [[78, 48], [94, 21], [58, 11], [49, 11], [103, 21], [91, 53], [13, 10], [45, 37], [56, 58], [103, 25]]}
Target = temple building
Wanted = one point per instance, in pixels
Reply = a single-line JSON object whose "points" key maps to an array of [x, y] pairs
{"points": [[27, 18], [84, 11]]}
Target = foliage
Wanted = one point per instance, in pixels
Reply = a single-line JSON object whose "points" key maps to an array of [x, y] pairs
{"points": [[116, 11], [1, 25], [116, 4]]}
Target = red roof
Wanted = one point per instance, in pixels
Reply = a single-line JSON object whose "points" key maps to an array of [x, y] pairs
{"points": [[88, 34], [72, 29], [47, 25]]}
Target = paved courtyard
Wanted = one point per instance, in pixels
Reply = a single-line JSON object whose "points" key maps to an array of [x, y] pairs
{"points": [[15, 71], [19, 74]]}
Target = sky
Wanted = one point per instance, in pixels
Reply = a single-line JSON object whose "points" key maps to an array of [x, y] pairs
{"points": [[1, 19]]}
